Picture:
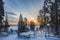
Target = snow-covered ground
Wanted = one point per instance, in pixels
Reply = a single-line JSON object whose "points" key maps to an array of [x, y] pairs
{"points": [[40, 35]]}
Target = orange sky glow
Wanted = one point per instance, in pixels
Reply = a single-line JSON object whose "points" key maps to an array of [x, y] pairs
{"points": [[28, 22]]}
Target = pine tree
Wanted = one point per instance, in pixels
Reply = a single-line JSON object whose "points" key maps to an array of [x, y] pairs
{"points": [[25, 24], [20, 24], [32, 25], [6, 23], [1, 13]]}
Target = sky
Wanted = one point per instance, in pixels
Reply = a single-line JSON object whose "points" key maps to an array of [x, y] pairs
{"points": [[28, 8]]}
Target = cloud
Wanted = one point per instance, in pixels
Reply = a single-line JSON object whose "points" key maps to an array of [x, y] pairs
{"points": [[28, 8]]}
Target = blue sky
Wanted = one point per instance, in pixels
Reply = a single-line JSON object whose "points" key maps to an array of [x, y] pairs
{"points": [[28, 8]]}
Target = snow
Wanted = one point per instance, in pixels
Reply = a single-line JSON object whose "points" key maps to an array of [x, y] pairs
{"points": [[13, 27], [27, 33], [40, 35]]}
